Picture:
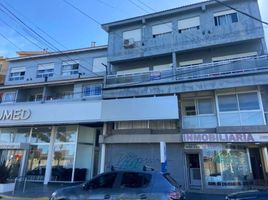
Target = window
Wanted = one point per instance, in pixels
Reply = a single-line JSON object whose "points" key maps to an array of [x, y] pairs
{"points": [[133, 34], [98, 64], [17, 74], [234, 56], [103, 181], [225, 17], [70, 68], [135, 180], [191, 62], [133, 71], [161, 29], [45, 70], [91, 90], [189, 24], [9, 97], [240, 109], [199, 113], [36, 97]]}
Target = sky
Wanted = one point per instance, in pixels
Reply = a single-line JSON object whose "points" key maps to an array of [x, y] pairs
{"points": [[66, 28]]}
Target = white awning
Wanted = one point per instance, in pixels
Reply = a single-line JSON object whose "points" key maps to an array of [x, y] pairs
{"points": [[188, 23]]}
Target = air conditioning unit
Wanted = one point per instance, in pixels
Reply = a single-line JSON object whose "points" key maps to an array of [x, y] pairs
{"points": [[129, 43]]}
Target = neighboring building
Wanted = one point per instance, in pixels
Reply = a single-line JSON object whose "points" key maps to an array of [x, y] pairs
{"points": [[50, 114], [202, 70], [3, 69]]}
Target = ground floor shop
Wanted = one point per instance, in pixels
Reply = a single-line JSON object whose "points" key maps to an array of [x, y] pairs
{"points": [[49, 153]]}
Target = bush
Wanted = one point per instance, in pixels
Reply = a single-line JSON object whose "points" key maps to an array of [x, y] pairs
{"points": [[4, 172]]}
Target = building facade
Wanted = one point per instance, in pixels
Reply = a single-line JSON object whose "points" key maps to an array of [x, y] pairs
{"points": [[194, 77], [3, 69], [213, 60]]}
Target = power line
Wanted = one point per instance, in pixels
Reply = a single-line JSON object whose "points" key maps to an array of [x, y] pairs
{"points": [[138, 6], [147, 6], [82, 12], [244, 13], [10, 41]]}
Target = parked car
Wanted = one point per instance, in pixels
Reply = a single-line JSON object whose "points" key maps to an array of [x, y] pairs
{"points": [[260, 194], [124, 185]]}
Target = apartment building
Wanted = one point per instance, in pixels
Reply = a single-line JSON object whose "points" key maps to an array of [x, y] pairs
{"points": [[205, 65], [3, 69], [50, 114]]}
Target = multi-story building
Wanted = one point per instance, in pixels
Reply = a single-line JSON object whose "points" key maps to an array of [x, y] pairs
{"points": [[50, 114], [202, 70], [3, 69]]}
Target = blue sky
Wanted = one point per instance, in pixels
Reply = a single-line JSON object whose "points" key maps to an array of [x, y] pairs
{"points": [[72, 29]]}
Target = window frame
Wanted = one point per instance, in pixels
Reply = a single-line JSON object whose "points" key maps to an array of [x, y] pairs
{"points": [[196, 104], [182, 30], [46, 72], [261, 109], [71, 71], [226, 16], [168, 24], [9, 92], [91, 86]]}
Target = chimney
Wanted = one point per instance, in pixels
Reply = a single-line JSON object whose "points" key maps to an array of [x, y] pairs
{"points": [[93, 44]]}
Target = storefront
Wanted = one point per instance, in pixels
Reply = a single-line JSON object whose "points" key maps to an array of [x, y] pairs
{"points": [[229, 164], [51, 154]]}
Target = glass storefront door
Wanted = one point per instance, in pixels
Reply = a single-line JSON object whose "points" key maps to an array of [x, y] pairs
{"points": [[193, 168]]}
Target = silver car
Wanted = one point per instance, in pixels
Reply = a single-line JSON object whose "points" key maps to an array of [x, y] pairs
{"points": [[124, 185]]}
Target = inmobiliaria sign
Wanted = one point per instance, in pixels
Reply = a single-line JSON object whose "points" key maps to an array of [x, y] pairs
{"points": [[215, 137]]}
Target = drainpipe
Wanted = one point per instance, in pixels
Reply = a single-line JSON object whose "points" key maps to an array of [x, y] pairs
{"points": [[50, 156], [103, 149], [163, 156]]}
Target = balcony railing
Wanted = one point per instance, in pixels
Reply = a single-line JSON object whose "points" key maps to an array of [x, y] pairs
{"points": [[208, 70]]}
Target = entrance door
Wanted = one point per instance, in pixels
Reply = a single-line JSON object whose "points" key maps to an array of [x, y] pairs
{"points": [[256, 165], [193, 167]]}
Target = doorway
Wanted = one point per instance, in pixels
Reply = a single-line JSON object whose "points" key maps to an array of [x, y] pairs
{"points": [[193, 169], [256, 165]]}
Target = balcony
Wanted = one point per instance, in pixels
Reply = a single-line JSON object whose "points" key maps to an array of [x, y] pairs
{"points": [[212, 70]]}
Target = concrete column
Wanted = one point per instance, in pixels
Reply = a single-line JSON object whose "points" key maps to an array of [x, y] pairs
{"points": [[103, 149], [265, 158], [174, 64], [44, 94], [50, 156], [23, 163]]}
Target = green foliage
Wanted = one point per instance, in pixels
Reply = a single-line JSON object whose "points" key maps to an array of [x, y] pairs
{"points": [[4, 172]]}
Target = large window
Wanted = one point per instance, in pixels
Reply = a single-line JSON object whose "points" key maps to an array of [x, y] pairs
{"points": [[161, 29], [225, 17], [9, 97], [70, 68], [14, 135], [240, 109], [91, 90], [45, 70], [189, 24], [131, 38], [199, 113], [17, 74], [226, 166]]}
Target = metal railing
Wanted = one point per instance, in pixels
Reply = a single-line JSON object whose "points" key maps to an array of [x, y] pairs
{"points": [[192, 72], [20, 179]]}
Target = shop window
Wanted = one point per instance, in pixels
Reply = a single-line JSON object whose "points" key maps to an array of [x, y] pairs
{"points": [[199, 113], [226, 167], [41, 135], [14, 135], [240, 109], [225, 18], [91, 90], [70, 68]]}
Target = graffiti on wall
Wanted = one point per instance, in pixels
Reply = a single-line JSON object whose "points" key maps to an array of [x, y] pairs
{"points": [[131, 161]]}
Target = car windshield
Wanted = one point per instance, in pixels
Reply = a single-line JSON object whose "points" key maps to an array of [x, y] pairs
{"points": [[171, 180]]}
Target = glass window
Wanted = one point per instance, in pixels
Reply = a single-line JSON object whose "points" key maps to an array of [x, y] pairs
{"points": [[37, 162], [189, 107], [189, 24], [70, 69], [103, 181], [161, 29], [45, 70], [62, 165], [16, 76], [66, 134], [228, 17], [135, 180], [205, 106], [9, 97], [91, 90], [14, 135], [227, 103], [41, 135], [248, 101], [226, 166]]}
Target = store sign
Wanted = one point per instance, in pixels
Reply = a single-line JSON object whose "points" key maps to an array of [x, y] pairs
{"points": [[15, 114], [215, 137]]}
